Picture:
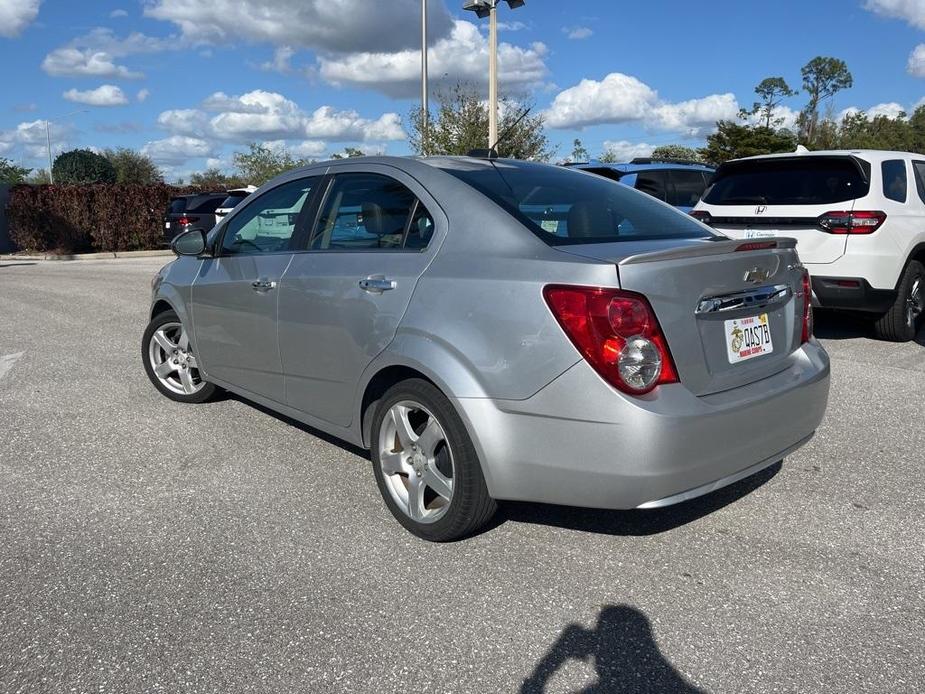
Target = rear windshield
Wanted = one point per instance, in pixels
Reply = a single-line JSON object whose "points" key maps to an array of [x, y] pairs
{"points": [[233, 200], [178, 206], [204, 203], [803, 181], [565, 207]]}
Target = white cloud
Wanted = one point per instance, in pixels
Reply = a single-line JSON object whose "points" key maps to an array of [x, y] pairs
{"points": [[95, 54], [143, 95], [77, 62], [911, 11], [117, 14], [307, 149], [29, 138], [620, 98], [625, 150], [281, 62], [16, 15], [341, 26], [268, 115], [105, 95], [916, 64], [578, 33], [177, 149], [890, 110], [460, 57]]}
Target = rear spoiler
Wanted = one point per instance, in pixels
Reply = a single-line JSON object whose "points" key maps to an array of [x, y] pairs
{"points": [[710, 248]]}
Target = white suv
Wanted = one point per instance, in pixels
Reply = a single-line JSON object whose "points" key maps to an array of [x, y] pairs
{"points": [[858, 217]]}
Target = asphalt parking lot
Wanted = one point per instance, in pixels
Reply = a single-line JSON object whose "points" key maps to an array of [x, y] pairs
{"points": [[149, 546]]}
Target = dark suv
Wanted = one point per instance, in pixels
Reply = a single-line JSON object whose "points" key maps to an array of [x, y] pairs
{"points": [[679, 183], [191, 212]]}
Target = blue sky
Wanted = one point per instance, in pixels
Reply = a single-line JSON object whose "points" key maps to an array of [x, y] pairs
{"points": [[191, 81]]}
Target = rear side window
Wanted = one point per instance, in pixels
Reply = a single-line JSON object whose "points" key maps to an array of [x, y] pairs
{"points": [[178, 206], [894, 179], [654, 183], [797, 181], [371, 212], [918, 167], [564, 207], [687, 189]]}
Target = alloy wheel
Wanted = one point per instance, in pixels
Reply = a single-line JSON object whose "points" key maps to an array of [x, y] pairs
{"points": [[172, 360], [416, 461], [915, 304]]}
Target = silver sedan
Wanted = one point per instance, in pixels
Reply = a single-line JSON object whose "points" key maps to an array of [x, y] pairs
{"points": [[493, 329]]}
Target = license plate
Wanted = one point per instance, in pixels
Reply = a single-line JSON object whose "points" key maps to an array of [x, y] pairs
{"points": [[747, 338], [760, 233], [167, 225]]}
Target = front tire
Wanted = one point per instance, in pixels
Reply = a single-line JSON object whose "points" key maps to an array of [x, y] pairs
{"points": [[425, 465], [902, 322], [169, 360]]}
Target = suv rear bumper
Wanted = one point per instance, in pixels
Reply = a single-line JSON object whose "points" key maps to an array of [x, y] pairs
{"points": [[851, 294], [579, 442]]}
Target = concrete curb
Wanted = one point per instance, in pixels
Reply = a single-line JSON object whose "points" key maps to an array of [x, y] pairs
{"points": [[91, 256]]}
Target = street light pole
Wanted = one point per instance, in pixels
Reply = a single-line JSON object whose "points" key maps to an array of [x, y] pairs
{"points": [[425, 110], [51, 176], [493, 75]]}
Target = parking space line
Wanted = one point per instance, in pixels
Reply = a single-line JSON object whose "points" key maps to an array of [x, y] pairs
{"points": [[6, 363]]}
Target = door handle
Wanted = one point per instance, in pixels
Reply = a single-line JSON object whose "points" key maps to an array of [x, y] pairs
{"points": [[263, 285], [377, 285]]}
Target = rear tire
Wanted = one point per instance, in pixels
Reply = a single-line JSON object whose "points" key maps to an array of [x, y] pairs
{"points": [[425, 464], [902, 322]]}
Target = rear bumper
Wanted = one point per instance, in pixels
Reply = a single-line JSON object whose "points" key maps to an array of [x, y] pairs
{"points": [[851, 294], [580, 443]]}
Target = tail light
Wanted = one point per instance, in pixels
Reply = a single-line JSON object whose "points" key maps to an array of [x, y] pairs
{"points": [[702, 216], [617, 332], [807, 308], [851, 222], [185, 220]]}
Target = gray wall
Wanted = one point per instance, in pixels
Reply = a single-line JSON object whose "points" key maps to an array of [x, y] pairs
{"points": [[6, 245]]}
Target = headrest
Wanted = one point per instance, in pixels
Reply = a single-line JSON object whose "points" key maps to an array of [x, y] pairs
{"points": [[589, 219]]}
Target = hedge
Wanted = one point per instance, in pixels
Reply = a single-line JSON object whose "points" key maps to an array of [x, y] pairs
{"points": [[75, 219]]}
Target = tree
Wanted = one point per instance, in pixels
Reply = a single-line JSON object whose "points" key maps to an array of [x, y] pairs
{"points": [[676, 153], [732, 141], [349, 153], [214, 179], [133, 167], [39, 177], [823, 78], [461, 125], [11, 173], [609, 156], [579, 152], [772, 91], [261, 163], [81, 166]]}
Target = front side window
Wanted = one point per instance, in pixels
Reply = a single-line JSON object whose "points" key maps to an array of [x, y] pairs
{"points": [[266, 225], [894, 179], [563, 206], [371, 212]]}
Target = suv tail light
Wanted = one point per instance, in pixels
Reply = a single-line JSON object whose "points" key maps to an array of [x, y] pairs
{"points": [[852, 222], [701, 216], [807, 308], [617, 332], [186, 220]]}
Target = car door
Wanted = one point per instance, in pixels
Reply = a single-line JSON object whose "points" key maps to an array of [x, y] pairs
{"points": [[234, 297], [341, 300]]}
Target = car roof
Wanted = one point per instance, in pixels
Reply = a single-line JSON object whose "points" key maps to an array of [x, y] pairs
{"points": [[871, 155], [638, 165]]}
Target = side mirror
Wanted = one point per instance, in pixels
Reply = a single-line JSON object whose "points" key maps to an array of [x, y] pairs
{"points": [[192, 242]]}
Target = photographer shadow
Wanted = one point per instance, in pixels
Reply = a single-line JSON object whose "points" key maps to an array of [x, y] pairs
{"points": [[626, 657]]}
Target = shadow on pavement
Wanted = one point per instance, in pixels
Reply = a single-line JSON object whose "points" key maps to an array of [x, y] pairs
{"points": [[624, 652], [635, 522], [831, 325]]}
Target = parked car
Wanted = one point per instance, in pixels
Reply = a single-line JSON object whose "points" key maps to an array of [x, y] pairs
{"points": [[496, 329], [188, 212], [234, 198], [858, 216], [679, 183]]}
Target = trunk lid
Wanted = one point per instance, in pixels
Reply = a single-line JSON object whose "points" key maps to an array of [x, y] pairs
{"points": [[702, 290]]}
